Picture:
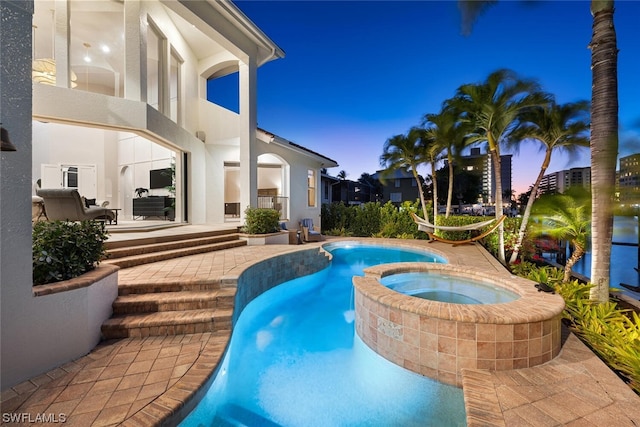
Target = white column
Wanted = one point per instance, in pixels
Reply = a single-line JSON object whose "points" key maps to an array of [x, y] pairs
{"points": [[15, 186], [248, 124]]}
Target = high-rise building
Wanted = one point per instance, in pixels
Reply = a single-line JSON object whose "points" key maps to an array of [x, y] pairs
{"points": [[483, 165], [559, 182], [629, 179]]}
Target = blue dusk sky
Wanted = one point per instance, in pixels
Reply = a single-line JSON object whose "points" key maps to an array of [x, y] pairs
{"points": [[359, 72]]}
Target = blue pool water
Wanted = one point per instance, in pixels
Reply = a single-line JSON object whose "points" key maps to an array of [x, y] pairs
{"points": [[295, 360], [444, 288]]}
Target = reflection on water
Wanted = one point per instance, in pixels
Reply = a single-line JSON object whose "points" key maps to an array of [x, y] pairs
{"points": [[623, 258]]}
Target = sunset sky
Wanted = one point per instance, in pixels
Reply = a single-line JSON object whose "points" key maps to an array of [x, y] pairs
{"points": [[359, 72]]}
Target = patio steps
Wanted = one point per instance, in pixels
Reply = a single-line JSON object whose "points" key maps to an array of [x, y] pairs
{"points": [[167, 323], [147, 250], [171, 308]]}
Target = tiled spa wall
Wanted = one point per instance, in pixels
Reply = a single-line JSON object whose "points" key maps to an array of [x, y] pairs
{"points": [[438, 340]]}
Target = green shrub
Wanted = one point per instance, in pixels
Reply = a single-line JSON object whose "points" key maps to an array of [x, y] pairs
{"points": [[261, 221], [63, 250], [366, 220], [612, 333], [396, 222], [511, 229]]}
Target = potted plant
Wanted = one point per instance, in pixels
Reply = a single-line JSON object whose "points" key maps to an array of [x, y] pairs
{"points": [[140, 191]]}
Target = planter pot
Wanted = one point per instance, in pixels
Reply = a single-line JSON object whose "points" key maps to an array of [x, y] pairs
{"points": [[279, 238]]}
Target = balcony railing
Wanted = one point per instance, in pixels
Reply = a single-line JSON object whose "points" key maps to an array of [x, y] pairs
{"points": [[278, 203]]}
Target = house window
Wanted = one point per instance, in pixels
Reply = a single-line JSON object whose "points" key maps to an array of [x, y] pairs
{"points": [[70, 177], [397, 183], [155, 59], [96, 45], [395, 197], [311, 188], [175, 68]]}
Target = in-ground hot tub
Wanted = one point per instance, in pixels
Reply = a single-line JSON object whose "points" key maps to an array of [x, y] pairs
{"points": [[439, 339]]}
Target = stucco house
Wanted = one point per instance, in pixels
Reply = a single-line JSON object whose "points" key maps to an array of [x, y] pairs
{"points": [[109, 94]]}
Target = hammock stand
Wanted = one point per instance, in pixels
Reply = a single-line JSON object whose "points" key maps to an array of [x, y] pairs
{"points": [[427, 227]]}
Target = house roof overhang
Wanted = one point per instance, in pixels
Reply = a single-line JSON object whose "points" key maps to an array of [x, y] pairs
{"points": [[226, 19], [272, 138]]}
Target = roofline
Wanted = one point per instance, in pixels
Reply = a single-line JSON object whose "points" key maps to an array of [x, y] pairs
{"points": [[246, 25], [282, 141]]}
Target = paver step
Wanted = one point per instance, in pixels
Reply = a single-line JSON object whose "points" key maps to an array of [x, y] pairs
{"points": [[174, 301], [178, 285], [133, 260], [165, 246], [167, 323], [168, 238]]}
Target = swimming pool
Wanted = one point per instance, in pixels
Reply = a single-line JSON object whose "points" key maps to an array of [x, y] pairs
{"points": [[446, 288], [294, 359]]}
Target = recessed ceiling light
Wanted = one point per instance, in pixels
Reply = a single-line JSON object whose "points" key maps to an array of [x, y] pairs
{"points": [[105, 48]]}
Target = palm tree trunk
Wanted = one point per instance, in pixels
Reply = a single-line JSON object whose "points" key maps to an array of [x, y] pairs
{"points": [[435, 192], [450, 192], [604, 142], [527, 210], [424, 205], [497, 170], [578, 252]]}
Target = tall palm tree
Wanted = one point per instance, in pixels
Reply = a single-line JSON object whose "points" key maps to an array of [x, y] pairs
{"points": [[557, 128], [604, 131], [404, 152], [604, 142], [449, 134], [432, 150], [492, 108], [565, 217], [342, 175]]}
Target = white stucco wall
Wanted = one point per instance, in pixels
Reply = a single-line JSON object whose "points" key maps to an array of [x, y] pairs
{"points": [[40, 333]]}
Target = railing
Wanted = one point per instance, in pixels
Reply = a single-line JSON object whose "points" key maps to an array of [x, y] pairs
{"points": [[278, 203]]}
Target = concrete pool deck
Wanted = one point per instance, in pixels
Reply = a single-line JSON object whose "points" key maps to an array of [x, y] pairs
{"points": [[146, 381]]}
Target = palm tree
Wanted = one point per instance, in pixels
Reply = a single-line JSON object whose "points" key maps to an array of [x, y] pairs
{"points": [[342, 175], [604, 131], [403, 152], [492, 108], [604, 142], [565, 217], [557, 128], [449, 134], [432, 150]]}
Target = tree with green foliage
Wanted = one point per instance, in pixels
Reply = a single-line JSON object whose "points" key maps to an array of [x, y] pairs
{"points": [[557, 128], [405, 153], [449, 135], [565, 217], [492, 109]]}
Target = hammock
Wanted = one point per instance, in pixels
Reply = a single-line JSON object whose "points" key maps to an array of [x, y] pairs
{"points": [[427, 227]]}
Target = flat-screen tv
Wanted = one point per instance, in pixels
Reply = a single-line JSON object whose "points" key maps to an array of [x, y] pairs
{"points": [[160, 178]]}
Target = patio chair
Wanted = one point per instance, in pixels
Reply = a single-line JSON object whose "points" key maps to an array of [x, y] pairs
{"points": [[65, 204], [310, 233]]}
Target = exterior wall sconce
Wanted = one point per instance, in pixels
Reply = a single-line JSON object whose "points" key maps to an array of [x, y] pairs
{"points": [[6, 144]]}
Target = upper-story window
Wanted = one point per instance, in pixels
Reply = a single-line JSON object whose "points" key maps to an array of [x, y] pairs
{"points": [[175, 94], [155, 59], [95, 50]]}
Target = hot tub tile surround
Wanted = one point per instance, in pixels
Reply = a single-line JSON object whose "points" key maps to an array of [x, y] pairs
{"points": [[439, 339]]}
